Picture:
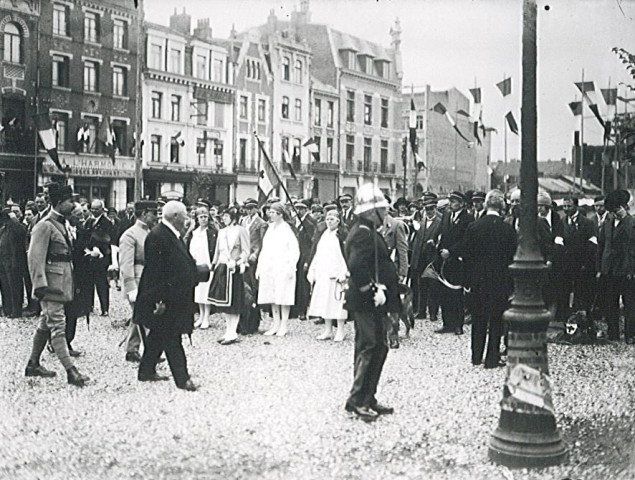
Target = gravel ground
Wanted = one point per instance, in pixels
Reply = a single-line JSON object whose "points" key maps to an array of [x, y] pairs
{"points": [[272, 408]]}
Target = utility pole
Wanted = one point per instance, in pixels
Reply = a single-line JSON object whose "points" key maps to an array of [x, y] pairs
{"points": [[138, 178], [527, 435]]}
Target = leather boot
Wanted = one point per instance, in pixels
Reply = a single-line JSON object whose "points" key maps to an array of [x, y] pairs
{"points": [[76, 378], [37, 370]]}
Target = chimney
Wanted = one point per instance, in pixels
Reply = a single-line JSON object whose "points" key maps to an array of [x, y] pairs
{"points": [[272, 21], [203, 31], [395, 33], [181, 22]]}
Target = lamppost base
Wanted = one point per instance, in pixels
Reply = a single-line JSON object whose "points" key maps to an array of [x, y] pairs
{"points": [[540, 445]]}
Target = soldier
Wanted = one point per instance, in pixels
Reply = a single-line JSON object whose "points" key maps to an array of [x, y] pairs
{"points": [[131, 260], [52, 276], [372, 294]]}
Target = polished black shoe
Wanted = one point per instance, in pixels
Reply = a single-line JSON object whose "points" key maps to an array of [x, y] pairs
{"points": [[630, 340], [364, 413], [155, 377], [499, 364], [76, 378], [37, 370], [319, 321], [189, 386], [74, 353], [104, 313], [444, 330], [420, 316], [382, 409], [458, 331], [433, 319], [133, 357]]}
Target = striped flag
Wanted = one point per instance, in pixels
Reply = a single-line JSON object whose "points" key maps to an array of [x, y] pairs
{"points": [[412, 135], [440, 108], [576, 108], [588, 92], [511, 121], [107, 137], [179, 138], [477, 111], [47, 135], [268, 178], [288, 164], [313, 147]]}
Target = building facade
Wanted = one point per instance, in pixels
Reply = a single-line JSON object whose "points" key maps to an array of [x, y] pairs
{"points": [[100, 41], [367, 78], [19, 160], [451, 162], [188, 113]]}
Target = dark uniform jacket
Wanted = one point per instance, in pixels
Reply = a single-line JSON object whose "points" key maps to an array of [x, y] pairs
{"points": [[422, 251], [488, 250], [616, 248], [102, 236], [364, 249], [451, 238], [579, 252], [169, 276]]}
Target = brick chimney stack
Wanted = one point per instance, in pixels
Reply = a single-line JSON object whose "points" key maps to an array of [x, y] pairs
{"points": [[203, 31], [181, 22]]}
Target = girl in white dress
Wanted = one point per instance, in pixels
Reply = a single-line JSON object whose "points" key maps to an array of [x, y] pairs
{"points": [[276, 270], [199, 246]]}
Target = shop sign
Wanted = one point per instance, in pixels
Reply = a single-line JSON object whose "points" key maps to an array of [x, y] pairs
{"points": [[84, 166]]}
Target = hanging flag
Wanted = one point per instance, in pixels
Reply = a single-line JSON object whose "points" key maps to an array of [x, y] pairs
{"points": [[585, 87], [576, 108], [313, 147], [610, 98], [268, 178], [596, 112], [107, 137], [412, 135], [477, 113], [588, 92], [83, 139], [610, 95], [505, 86], [511, 121], [440, 108], [133, 149], [287, 162], [179, 138], [47, 135]]}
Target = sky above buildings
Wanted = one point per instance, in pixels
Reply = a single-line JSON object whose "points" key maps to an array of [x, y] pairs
{"points": [[467, 43]]}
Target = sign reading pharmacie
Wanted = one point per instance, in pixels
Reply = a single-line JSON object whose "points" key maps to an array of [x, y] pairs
{"points": [[93, 166]]}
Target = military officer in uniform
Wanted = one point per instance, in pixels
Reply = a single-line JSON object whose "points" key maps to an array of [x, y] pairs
{"points": [[371, 296], [131, 260], [50, 257]]}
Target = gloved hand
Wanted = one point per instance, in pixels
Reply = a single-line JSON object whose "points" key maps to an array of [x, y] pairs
{"points": [[132, 296], [379, 298]]}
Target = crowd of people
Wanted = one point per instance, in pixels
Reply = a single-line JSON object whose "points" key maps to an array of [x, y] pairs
{"points": [[331, 262]]}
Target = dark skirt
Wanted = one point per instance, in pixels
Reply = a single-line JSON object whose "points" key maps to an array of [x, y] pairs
{"points": [[227, 290]]}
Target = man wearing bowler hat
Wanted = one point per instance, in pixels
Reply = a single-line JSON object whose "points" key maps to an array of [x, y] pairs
{"points": [[453, 226], [131, 262], [50, 257]]}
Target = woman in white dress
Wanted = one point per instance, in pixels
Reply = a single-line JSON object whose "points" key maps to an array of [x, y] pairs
{"points": [[327, 273], [201, 244], [276, 270], [231, 258]]}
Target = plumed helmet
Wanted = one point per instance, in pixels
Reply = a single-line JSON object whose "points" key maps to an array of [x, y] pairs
{"points": [[369, 197]]}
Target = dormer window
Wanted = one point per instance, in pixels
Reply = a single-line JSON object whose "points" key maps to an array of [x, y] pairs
{"points": [[365, 64], [383, 68], [348, 58]]}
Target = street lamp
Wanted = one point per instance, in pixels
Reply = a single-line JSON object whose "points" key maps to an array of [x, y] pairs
{"points": [[527, 435]]}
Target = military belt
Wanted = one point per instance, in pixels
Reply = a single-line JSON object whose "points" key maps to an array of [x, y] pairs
{"points": [[59, 257]]}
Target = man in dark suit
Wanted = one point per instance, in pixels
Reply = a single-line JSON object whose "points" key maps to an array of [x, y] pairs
{"points": [[598, 219], [372, 294], [425, 290], [395, 235], [101, 231], [346, 204], [453, 226], [12, 265], [305, 226], [165, 297], [578, 269], [615, 255], [488, 250]]}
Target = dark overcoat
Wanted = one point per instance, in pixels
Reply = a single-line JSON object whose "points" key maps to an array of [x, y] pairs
{"points": [[169, 276]]}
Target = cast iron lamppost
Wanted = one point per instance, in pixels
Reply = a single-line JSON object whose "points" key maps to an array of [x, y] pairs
{"points": [[527, 435]]}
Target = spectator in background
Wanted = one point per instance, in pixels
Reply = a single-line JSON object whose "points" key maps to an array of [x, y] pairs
{"points": [[12, 265], [99, 249]]}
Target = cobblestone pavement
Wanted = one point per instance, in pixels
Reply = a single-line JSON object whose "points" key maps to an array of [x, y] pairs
{"points": [[272, 408]]}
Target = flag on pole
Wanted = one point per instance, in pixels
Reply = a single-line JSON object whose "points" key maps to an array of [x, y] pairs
{"points": [[287, 162], [588, 92], [440, 108], [179, 138], [48, 136], [477, 113], [313, 147], [511, 121], [412, 135], [576, 108], [505, 86], [83, 139], [107, 137], [268, 178]]}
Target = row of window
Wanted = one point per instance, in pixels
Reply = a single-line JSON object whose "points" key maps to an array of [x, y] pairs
{"points": [[91, 75], [199, 109], [203, 68], [330, 113], [175, 150], [261, 109], [367, 152], [297, 71], [368, 109], [365, 64], [297, 116], [86, 139], [92, 27]]}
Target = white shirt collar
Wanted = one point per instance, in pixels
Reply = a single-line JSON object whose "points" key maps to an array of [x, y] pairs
{"points": [[171, 227], [492, 212]]}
